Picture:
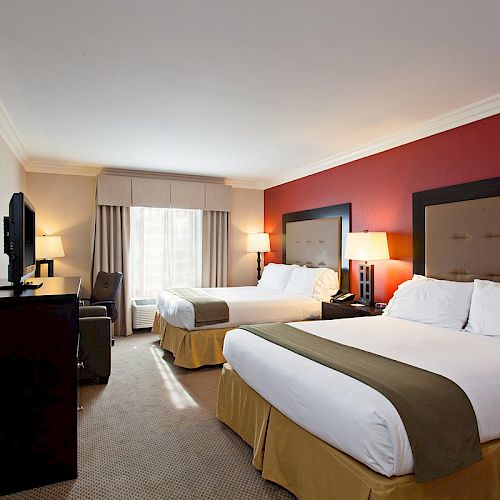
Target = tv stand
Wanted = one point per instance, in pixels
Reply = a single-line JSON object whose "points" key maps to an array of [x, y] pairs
{"points": [[38, 384], [27, 285]]}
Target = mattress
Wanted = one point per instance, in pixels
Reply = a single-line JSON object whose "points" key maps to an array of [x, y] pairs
{"points": [[247, 305], [352, 416]]}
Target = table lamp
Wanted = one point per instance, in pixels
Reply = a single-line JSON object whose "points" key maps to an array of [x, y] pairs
{"points": [[47, 248], [258, 242], [366, 246]]}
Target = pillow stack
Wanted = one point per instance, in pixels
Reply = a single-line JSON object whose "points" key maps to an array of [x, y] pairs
{"points": [[319, 282], [435, 302], [449, 304]]}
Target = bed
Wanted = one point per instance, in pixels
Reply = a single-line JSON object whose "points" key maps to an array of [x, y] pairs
{"points": [[307, 438], [314, 240]]}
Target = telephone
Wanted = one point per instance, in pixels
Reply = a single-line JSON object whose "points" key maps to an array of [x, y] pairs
{"points": [[342, 297]]}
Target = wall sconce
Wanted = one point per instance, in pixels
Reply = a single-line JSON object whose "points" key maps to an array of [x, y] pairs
{"points": [[258, 242], [366, 246], [47, 249]]}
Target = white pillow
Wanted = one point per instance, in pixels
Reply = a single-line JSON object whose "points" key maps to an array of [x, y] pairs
{"points": [[304, 279], [415, 277], [326, 285], [276, 276], [484, 316], [435, 302]]}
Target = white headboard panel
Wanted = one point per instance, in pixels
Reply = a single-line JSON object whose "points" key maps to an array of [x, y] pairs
{"points": [[314, 243]]}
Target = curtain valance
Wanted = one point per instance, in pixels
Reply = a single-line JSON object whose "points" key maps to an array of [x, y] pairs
{"points": [[119, 190]]}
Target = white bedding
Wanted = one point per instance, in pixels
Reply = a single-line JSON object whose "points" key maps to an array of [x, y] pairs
{"points": [[247, 305], [352, 416]]}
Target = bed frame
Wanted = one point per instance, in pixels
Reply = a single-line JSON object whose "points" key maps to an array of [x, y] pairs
{"points": [[310, 468]]}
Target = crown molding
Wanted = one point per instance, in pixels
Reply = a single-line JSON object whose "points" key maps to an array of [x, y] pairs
{"points": [[63, 167], [155, 174], [11, 137], [90, 170], [247, 183], [462, 116]]}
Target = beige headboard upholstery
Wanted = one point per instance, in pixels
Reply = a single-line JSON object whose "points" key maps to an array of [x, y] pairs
{"points": [[462, 240], [456, 231], [316, 238], [314, 243]]}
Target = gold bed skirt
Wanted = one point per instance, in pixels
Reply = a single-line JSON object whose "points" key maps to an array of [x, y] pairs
{"points": [[311, 469], [191, 348]]}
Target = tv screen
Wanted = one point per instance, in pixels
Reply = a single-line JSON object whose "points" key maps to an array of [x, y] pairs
{"points": [[29, 236], [19, 238]]}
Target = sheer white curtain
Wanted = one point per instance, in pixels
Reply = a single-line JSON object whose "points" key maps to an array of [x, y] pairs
{"points": [[165, 249]]}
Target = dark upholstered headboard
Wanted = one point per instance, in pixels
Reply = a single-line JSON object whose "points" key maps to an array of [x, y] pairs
{"points": [[456, 231], [316, 238]]}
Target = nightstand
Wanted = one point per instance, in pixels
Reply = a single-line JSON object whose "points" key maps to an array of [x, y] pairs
{"points": [[337, 310]]}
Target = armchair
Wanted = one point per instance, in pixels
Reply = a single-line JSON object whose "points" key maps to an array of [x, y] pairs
{"points": [[95, 345], [105, 291]]}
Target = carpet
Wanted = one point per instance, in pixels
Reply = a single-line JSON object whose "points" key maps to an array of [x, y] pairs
{"points": [[152, 433]]}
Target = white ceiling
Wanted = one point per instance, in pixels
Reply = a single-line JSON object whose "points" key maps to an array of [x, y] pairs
{"points": [[241, 89]]}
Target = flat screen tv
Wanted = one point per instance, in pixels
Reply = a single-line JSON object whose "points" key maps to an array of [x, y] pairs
{"points": [[19, 239]]}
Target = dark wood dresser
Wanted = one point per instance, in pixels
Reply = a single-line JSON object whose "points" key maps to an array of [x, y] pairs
{"points": [[38, 384]]}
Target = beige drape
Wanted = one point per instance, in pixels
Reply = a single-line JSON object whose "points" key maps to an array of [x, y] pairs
{"points": [[111, 254], [214, 248]]}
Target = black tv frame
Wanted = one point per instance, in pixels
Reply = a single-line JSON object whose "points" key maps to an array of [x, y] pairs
{"points": [[15, 243]]}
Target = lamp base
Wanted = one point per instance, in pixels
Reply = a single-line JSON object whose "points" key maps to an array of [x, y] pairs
{"points": [[50, 267], [258, 266], [364, 302], [366, 284]]}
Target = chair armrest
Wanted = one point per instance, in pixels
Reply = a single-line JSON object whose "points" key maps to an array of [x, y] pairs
{"points": [[100, 325], [92, 311]]}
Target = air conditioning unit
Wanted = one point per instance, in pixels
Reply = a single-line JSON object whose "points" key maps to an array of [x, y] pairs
{"points": [[143, 313]]}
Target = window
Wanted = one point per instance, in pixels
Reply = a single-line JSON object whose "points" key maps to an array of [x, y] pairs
{"points": [[165, 249]]}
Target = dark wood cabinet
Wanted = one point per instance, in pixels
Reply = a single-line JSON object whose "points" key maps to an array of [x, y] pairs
{"points": [[38, 384], [336, 310]]}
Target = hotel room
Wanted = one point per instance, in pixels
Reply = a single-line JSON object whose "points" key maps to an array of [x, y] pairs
{"points": [[250, 249]]}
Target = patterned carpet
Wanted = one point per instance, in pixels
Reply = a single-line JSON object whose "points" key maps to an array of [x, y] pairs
{"points": [[151, 433]]}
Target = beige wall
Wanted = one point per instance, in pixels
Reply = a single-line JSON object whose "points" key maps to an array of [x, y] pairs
{"points": [[247, 216], [64, 206], [12, 180]]}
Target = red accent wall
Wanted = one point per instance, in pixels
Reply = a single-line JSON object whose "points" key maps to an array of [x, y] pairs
{"points": [[380, 189]]}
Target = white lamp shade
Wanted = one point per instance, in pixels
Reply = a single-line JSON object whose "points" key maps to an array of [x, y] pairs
{"points": [[367, 246], [258, 242], [49, 247]]}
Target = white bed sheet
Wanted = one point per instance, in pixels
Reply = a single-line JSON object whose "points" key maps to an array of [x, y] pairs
{"points": [[247, 305], [352, 416]]}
